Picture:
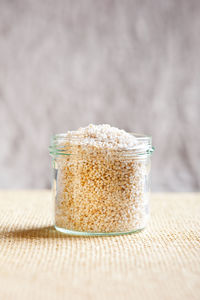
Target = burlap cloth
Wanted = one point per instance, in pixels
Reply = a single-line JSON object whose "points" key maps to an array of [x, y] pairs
{"points": [[161, 262]]}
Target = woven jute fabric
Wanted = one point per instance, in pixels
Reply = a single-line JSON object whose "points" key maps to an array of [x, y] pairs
{"points": [[161, 262]]}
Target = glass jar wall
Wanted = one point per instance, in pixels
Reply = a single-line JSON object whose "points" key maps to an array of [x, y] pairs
{"points": [[100, 191]]}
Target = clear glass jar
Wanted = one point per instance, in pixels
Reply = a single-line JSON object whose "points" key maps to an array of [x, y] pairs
{"points": [[99, 191]]}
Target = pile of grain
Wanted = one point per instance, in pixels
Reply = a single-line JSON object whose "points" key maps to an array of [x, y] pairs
{"points": [[99, 188]]}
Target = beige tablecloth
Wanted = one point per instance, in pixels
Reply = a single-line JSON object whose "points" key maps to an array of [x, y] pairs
{"points": [[161, 262]]}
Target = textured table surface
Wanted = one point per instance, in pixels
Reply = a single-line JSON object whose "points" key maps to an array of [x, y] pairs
{"points": [[161, 262]]}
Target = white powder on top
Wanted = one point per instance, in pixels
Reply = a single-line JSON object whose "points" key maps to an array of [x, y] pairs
{"points": [[102, 136]]}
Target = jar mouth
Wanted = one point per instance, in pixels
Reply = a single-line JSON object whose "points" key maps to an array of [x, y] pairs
{"points": [[62, 144]]}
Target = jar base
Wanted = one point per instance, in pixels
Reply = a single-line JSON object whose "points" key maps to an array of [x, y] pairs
{"points": [[83, 233]]}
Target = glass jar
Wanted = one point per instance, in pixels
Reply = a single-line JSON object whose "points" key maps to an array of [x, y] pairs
{"points": [[98, 191]]}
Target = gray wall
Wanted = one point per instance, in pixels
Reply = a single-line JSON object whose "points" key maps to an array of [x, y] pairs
{"points": [[133, 64]]}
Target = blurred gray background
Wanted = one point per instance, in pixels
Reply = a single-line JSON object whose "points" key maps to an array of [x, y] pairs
{"points": [[132, 64]]}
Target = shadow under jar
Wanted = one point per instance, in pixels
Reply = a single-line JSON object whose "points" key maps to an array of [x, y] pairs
{"points": [[100, 191]]}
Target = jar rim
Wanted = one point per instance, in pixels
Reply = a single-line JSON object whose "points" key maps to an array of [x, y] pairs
{"points": [[57, 146]]}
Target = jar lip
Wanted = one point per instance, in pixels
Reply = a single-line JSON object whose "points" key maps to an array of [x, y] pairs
{"points": [[58, 147]]}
